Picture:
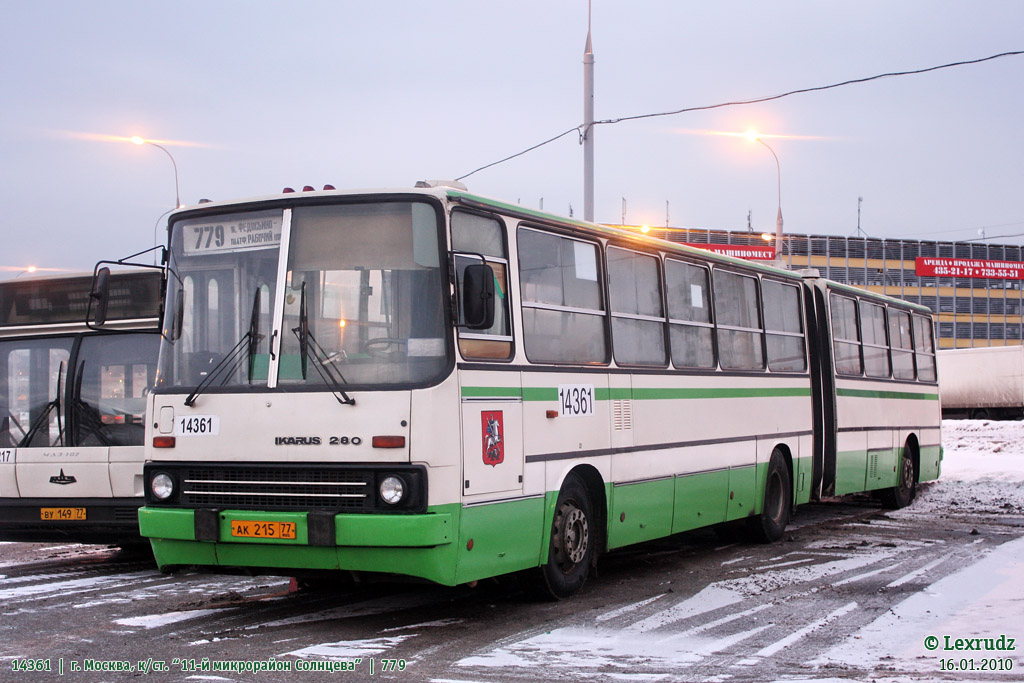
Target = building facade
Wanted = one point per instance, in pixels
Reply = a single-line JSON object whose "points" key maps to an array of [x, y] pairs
{"points": [[969, 311]]}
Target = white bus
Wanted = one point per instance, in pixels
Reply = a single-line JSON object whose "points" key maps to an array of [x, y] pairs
{"points": [[434, 384], [72, 401]]}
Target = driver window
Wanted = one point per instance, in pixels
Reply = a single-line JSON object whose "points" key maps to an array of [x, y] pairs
{"points": [[475, 234], [114, 375]]}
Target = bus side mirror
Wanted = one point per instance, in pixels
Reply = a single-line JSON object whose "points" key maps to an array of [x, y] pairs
{"points": [[478, 296], [99, 296]]}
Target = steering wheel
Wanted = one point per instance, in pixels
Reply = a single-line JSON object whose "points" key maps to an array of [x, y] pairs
{"points": [[382, 346]]}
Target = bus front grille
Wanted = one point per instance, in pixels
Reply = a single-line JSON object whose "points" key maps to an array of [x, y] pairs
{"points": [[277, 488]]}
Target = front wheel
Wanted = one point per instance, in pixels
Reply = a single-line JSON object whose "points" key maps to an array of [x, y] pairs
{"points": [[572, 544], [770, 525]]}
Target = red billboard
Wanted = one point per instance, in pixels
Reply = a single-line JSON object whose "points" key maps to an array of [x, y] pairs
{"points": [[958, 267], [751, 253]]}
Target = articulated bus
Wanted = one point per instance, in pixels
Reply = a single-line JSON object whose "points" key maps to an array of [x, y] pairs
{"points": [[72, 404], [433, 384]]}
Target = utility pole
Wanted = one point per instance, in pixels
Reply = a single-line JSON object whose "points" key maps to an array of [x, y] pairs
{"points": [[588, 125]]}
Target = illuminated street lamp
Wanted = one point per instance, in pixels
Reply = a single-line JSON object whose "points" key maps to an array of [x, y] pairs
{"points": [[142, 141], [30, 269], [753, 136]]}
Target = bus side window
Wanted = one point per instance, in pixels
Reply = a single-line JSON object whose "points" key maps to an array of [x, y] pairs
{"points": [[925, 348], [689, 311], [563, 308], [846, 339], [784, 327], [902, 346], [876, 351], [638, 320], [737, 311], [483, 235]]}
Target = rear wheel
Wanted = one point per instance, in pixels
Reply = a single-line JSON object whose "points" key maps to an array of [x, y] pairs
{"points": [[571, 547], [770, 525], [901, 495]]}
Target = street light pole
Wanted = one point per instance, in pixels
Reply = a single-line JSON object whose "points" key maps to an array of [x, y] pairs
{"points": [[177, 195], [778, 219]]}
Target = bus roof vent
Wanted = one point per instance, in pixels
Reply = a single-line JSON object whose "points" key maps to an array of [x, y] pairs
{"points": [[809, 272], [454, 184]]}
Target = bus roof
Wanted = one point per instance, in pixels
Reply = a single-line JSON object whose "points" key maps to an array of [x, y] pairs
{"points": [[455, 192]]}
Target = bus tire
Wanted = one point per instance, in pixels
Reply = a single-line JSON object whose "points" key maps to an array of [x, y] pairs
{"points": [[901, 495], [571, 546], [770, 525]]}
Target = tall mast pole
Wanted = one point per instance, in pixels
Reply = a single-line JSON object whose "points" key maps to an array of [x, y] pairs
{"points": [[588, 125]]}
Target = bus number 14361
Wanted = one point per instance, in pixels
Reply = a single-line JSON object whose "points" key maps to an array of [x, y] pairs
{"points": [[576, 400]]}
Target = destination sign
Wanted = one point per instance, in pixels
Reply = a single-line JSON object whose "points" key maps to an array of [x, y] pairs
{"points": [[254, 232], [969, 268]]}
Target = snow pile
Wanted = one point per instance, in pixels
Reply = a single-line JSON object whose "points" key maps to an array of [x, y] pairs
{"points": [[982, 471]]}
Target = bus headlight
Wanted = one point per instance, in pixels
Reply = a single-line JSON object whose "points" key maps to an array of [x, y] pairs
{"points": [[392, 490], [161, 486]]}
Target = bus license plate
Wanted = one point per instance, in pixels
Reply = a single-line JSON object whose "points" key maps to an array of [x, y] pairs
{"points": [[62, 514], [256, 529]]}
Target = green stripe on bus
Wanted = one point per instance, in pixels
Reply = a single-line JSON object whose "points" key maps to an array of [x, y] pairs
{"points": [[640, 394], [869, 393], [491, 392], [723, 392]]}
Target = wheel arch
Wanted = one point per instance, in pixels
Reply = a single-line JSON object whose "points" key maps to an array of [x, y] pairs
{"points": [[594, 482]]}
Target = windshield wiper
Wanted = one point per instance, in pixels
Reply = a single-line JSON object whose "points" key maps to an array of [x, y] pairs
{"points": [[323, 359], [43, 418], [244, 349]]}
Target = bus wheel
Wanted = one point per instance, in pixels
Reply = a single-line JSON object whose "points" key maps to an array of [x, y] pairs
{"points": [[903, 493], [571, 547], [771, 523]]}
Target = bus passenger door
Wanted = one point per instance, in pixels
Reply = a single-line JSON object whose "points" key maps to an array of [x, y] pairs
{"points": [[492, 432]]}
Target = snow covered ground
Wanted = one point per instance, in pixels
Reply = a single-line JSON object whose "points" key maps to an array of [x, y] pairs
{"points": [[852, 595], [983, 471]]}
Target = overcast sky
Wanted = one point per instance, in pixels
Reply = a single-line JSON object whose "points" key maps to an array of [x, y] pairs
{"points": [[255, 96]]}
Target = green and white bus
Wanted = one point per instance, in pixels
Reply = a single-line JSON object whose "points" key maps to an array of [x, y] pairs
{"points": [[434, 384], [72, 404]]}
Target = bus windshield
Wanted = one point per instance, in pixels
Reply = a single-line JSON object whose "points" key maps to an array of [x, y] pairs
{"points": [[359, 302], [31, 370]]}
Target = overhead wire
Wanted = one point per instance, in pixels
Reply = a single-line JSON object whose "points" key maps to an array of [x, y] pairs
{"points": [[581, 129]]}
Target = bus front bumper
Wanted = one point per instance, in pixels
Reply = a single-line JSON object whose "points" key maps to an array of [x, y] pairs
{"points": [[420, 545], [81, 520]]}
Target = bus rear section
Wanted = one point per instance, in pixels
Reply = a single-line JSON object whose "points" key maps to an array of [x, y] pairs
{"points": [[72, 408], [879, 411]]}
